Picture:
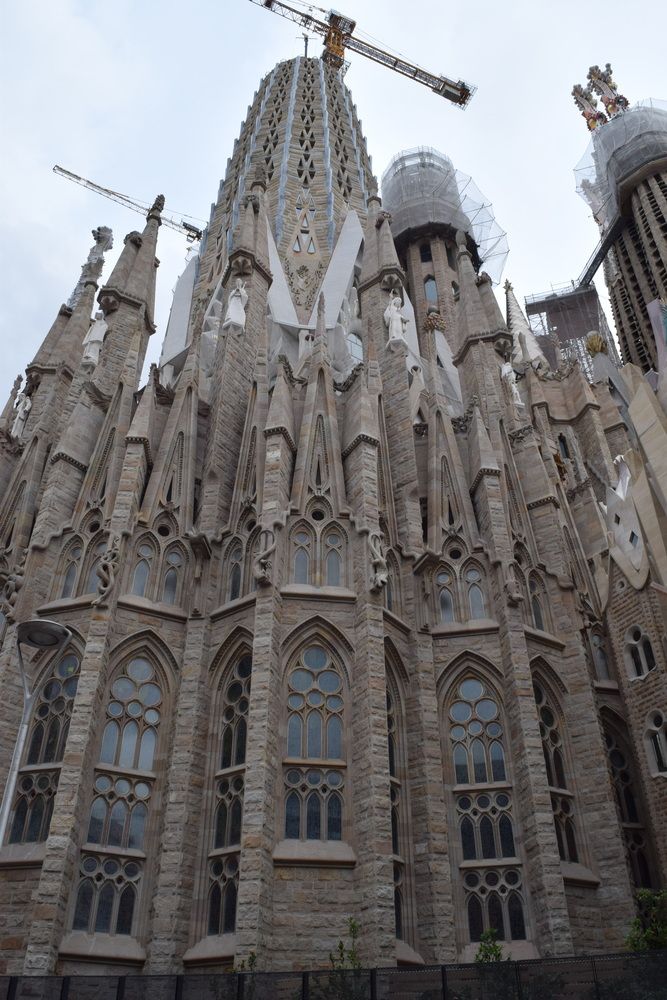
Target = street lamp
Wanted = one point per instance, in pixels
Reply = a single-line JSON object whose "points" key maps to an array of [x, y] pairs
{"points": [[39, 634]]}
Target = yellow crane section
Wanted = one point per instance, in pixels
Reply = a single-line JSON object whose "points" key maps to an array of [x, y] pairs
{"points": [[337, 31]]}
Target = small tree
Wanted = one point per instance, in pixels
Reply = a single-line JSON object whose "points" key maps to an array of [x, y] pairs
{"points": [[489, 950], [345, 981], [648, 930]]}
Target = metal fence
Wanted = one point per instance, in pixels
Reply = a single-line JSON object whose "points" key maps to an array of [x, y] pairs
{"points": [[629, 976]]}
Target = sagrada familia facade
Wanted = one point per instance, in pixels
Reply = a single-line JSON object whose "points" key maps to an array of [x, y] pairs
{"points": [[356, 608]]}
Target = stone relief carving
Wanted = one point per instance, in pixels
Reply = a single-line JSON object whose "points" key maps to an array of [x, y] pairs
{"points": [[380, 573], [12, 587], [261, 569], [236, 306], [92, 342], [106, 571]]}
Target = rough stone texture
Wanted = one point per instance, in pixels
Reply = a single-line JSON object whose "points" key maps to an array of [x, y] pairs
{"points": [[218, 477]]}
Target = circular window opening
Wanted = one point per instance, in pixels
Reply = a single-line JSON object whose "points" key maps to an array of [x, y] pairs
{"points": [[95, 526], [163, 530], [455, 553], [657, 720], [318, 515]]}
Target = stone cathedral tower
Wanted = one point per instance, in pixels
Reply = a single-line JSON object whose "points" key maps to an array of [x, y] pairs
{"points": [[362, 622]]}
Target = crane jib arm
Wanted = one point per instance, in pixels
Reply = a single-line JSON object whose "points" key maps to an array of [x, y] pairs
{"points": [[337, 32]]}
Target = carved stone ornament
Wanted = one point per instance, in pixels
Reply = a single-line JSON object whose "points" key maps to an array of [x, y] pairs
{"points": [[12, 587], [106, 572], [261, 569], [236, 306], [512, 589], [380, 573]]}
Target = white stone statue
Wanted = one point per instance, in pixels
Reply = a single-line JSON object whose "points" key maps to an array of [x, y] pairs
{"points": [[394, 319], [92, 342], [507, 373], [235, 314], [23, 408]]}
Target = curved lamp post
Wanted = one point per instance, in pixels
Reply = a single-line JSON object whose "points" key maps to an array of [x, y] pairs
{"points": [[39, 634]]}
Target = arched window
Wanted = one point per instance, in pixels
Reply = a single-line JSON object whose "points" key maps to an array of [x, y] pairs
{"points": [[445, 590], [656, 732], [563, 447], [314, 791], [142, 570], [38, 775], [92, 580], [333, 558], [71, 572], [174, 563], [476, 606], [629, 807], [224, 857], [124, 785], [431, 290], [399, 803], [234, 571], [562, 799], [302, 544], [483, 811], [537, 604], [425, 254], [600, 658], [639, 655]]}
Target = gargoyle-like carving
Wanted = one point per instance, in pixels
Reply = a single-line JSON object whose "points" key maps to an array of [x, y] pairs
{"points": [[261, 569], [380, 573], [13, 583], [512, 589], [106, 571]]}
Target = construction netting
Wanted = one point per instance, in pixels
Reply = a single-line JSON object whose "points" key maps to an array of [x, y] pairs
{"points": [[421, 187], [619, 148], [567, 316]]}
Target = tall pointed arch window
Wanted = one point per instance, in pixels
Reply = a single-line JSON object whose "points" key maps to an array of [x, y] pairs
{"points": [[600, 657], [401, 846], [142, 570], [333, 557], [314, 768], [445, 585], [40, 768], [629, 807], [234, 571], [72, 568], [475, 594], [224, 856], [490, 868], [562, 799], [537, 603], [112, 865], [431, 290], [302, 556], [171, 580]]}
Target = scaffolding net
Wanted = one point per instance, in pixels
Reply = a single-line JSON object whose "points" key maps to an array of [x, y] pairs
{"points": [[565, 317], [422, 188], [618, 149]]}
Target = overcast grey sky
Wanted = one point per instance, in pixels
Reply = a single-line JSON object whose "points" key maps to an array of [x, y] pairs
{"points": [[147, 97]]}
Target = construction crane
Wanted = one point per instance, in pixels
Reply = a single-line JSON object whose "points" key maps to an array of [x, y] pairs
{"points": [[338, 29], [191, 233]]}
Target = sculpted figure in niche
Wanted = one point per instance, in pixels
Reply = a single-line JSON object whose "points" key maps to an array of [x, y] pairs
{"points": [[380, 573], [23, 408], [92, 342], [235, 314], [394, 319], [509, 377]]}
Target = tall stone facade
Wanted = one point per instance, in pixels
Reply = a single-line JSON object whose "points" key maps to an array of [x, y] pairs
{"points": [[363, 619]]}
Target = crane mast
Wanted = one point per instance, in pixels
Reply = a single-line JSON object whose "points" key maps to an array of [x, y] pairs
{"points": [[338, 35], [191, 233]]}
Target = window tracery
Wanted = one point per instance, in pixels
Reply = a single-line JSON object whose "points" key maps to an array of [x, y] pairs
{"points": [[92, 579], [314, 768], [629, 807], [319, 554], [482, 800], [172, 574], [72, 567], [112, 865], [562, 799], [656, 732], [37, 780], [600, 658], [229, 784], [639, 654], [537, 603], [234, 571], [142, 569], [459, 594]]}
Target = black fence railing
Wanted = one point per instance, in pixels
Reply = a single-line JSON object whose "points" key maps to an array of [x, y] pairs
{"points": [[628, 976]]}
